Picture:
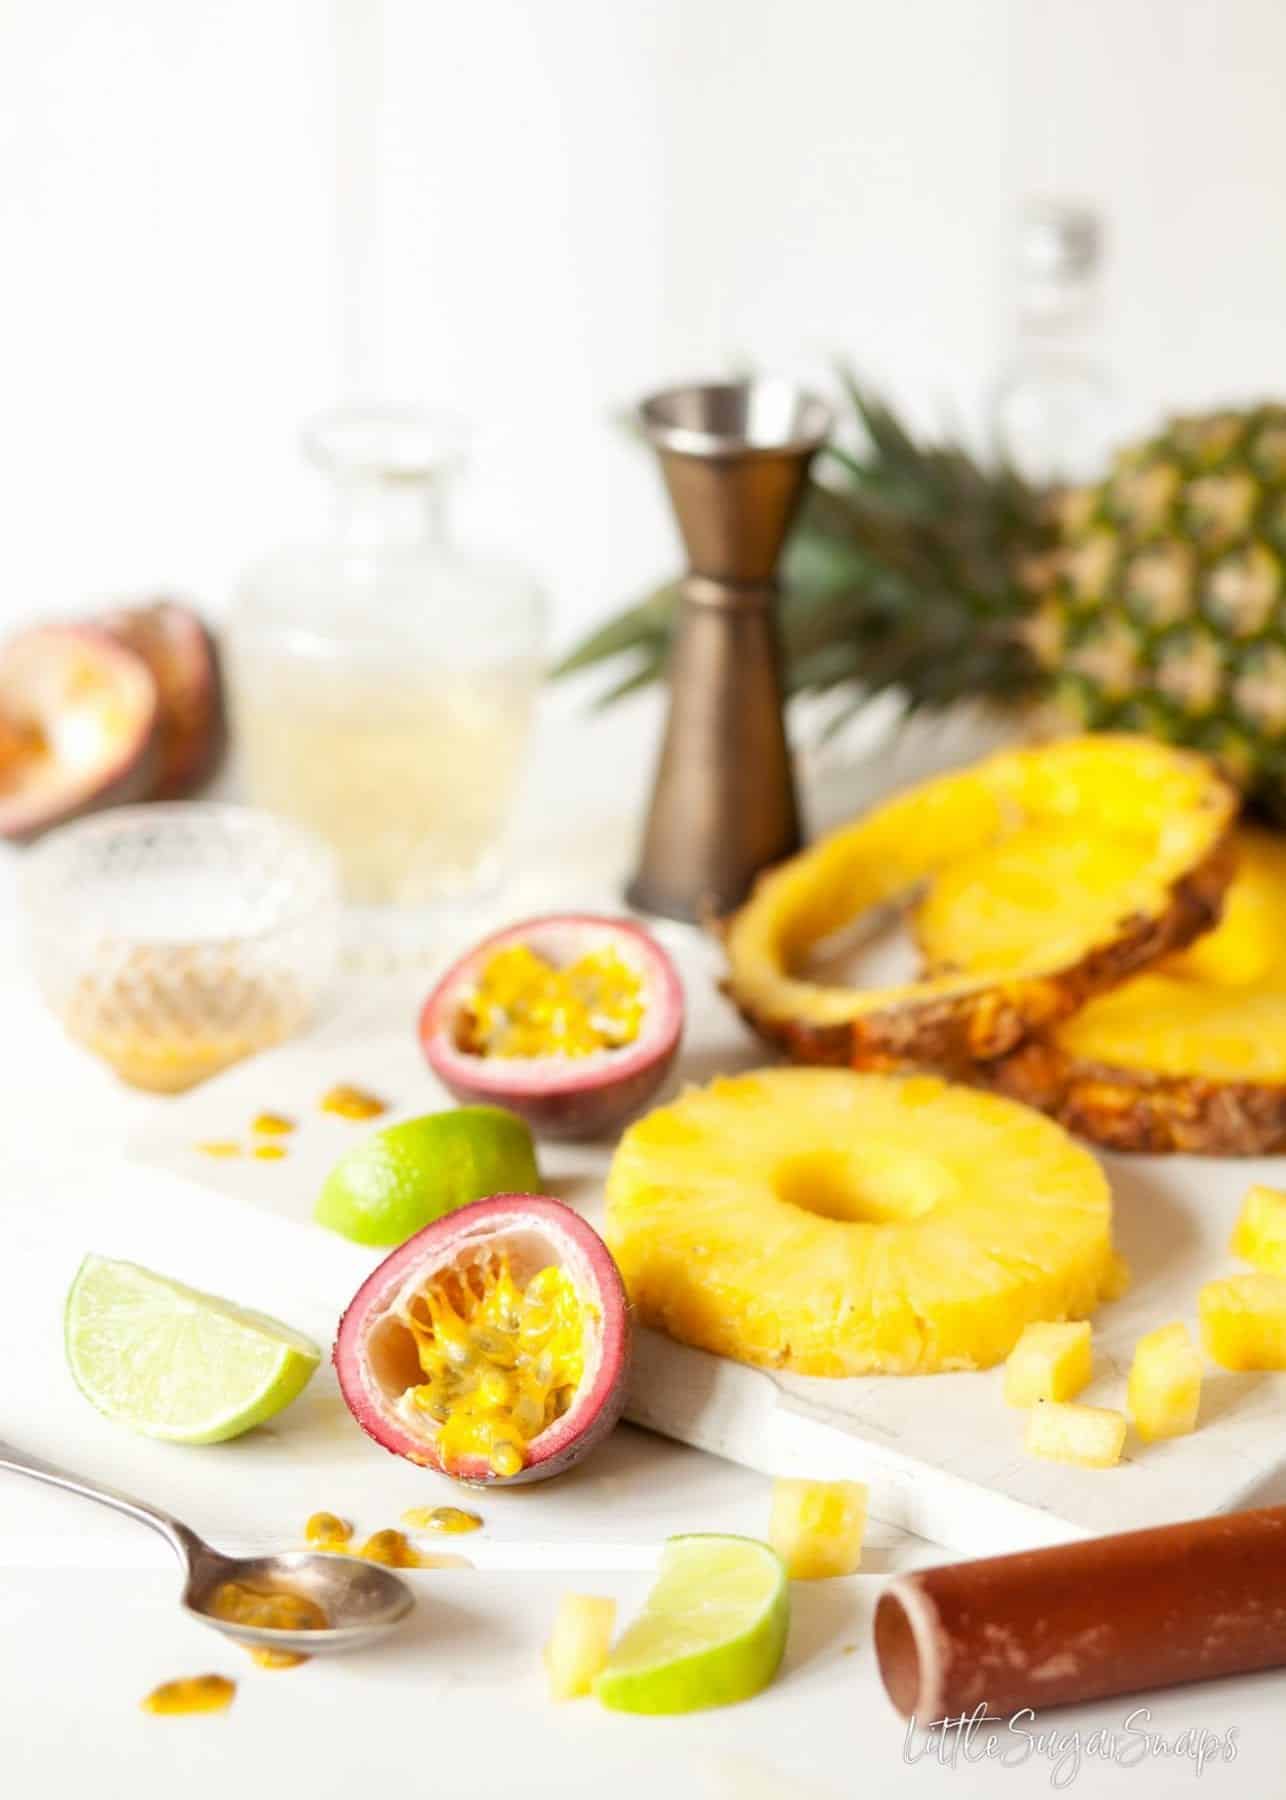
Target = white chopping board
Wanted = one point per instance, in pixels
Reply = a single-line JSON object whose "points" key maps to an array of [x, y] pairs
{"points": [[942, 1452]]}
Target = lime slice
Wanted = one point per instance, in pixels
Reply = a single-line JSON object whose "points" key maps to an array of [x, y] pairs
{"points": [[712, 1632], [398, 1180], [174, 1363]]}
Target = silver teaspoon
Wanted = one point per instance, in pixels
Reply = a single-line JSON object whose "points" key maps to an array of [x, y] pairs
{"points": [[362, 1601]]}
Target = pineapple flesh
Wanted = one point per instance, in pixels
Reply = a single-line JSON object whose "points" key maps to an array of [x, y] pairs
{"points": [[1189, 1056], [1259, 1236], [836, 1224], [1049, 1362], [1243, 1321], [1164, 1389], [1094, 855], [817, 1527], [1092, 1437], [579, 1644]]}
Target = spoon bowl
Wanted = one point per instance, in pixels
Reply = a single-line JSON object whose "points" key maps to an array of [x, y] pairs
{"points": [[361, 1600]]}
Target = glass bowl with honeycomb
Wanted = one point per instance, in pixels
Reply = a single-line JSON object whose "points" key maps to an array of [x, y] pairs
{"points": [[173, 941]]}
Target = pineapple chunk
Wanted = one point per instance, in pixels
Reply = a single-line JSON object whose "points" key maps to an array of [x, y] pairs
{"points": [[1243, 1321], [1259, 1235], [1063, 1431], [817, 1527], [579, 1643], [1165, 1384], [1049, 1362]]}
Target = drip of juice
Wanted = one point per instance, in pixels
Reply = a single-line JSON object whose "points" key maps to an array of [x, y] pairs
{"points": [[271, 1124], [191, 1694], [328, 1531], [269, 1152], [442, 1518], [352, 1102]]}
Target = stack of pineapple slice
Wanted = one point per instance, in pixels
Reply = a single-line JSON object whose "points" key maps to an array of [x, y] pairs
{"points": [[1064, 914]]}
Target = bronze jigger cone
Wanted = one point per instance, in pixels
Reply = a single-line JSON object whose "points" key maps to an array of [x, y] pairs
{"points": [[735, 458]]}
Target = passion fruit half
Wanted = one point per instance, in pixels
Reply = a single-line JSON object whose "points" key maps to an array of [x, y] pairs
{"points": [[571, 1021], [180, 651], [79, 717], [493, 1345]]}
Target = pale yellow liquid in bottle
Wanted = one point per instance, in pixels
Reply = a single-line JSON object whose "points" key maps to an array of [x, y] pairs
{"points": [[408, 774]]}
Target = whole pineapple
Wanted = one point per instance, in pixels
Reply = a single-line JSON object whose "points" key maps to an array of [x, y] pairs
{"points": [[1154, 601], [1163, 609]]}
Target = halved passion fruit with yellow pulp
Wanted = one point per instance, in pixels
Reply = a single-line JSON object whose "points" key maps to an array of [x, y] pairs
{"points": [[571, 1021], [79, 714], [493, 1345]]}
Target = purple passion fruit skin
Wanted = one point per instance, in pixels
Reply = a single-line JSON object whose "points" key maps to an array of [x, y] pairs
{"points": [[378, 1359], [560, 1096], [49, 776], [181, 653]]}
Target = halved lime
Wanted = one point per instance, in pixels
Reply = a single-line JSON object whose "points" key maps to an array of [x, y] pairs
{"points": [[174, 1363], [398, 1180], [713, 1630]]}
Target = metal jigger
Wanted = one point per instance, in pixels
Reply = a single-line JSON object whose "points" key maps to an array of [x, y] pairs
{"points": [[735, 458]]}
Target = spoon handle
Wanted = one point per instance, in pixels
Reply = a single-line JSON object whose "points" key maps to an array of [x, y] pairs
{"points": [[182, 1541]]}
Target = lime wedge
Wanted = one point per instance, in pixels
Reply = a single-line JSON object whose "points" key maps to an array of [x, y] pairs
{"points": [[712, 1632], [398, 1180], [174, 1363]]}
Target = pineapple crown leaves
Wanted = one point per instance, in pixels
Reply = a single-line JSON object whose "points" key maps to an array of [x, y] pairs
{"points": [[904, 571]]}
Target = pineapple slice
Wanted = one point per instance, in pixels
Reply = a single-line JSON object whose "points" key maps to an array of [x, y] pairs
{"points": [[1259, 1235], [1147, 826], [831, 1223], [1064, 1431], [1243, 1321], [1049, 1362], [1191, 1056], [817, 1527], [579, 1643], [1164, 1392]]}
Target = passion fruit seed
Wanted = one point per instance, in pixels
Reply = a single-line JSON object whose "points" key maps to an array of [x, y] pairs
{"points": [[328, 1531], [191, 1694], [271, 1124], [450, 1519], [267, 1609], [352, 1102], [500, 1362], [526, 1006], [394, 1550]]}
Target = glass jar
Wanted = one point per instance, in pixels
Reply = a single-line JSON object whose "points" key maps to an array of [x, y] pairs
{"points": [[383, 682], [1053, 406]]}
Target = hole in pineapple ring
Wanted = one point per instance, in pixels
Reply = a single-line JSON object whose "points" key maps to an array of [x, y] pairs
{"points": [[867, 1186]]}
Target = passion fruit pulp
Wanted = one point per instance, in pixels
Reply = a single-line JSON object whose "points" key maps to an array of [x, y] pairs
{"points": [[571, 1020], [79, 720], [493, 1345]]}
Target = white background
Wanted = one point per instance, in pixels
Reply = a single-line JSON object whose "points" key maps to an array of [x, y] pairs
{"points": [[220, 215]]}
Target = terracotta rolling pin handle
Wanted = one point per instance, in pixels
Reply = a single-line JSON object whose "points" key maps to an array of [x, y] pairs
{"points": [[1112, 1615]]}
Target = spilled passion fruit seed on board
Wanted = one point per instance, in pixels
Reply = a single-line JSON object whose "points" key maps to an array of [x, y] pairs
{"points": [[493, 1345], [571, 1021]]}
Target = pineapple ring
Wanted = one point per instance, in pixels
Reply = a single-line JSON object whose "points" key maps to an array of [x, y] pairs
{"points": [[1191, 1056], [1145, 825], [831, 1223]]}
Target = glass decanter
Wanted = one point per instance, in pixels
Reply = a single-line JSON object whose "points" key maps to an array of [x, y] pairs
{"points": [[383, 682]]}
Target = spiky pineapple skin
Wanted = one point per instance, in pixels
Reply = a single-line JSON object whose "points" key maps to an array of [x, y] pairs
{"points": [[1163, 608], [837, 1224]]}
